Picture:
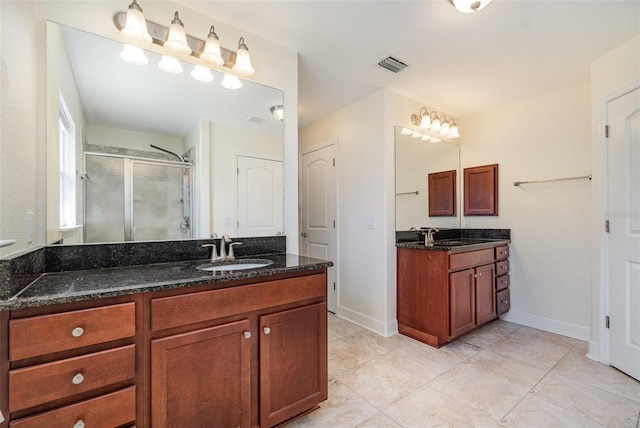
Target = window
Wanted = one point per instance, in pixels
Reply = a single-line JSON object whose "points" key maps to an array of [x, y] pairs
{"points": [[67, 143]]}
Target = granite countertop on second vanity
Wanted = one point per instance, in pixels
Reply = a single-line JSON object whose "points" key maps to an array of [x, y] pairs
{"points": [[72, 286], [470, 245]]}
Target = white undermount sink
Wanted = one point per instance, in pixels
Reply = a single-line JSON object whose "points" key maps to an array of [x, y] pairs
{"points": [[240, 264]]}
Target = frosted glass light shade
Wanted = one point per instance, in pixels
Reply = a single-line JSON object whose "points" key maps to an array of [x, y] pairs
{"points": [[243, 60], [170, 65], [454, 132], [435, 125], [425, 122], [135, 26], [133, 55], [445, 128], [416, 135], [405, 131], [202, 73], [176, 42], [469, 6], [425, 138], [211, 52], [231, 82]]}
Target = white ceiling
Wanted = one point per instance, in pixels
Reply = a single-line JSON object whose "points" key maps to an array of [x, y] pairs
{"points": [[458, 63]]}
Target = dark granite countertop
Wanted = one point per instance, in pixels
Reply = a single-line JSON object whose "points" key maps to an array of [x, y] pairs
{"points": [[455, 246], [65, 287]]}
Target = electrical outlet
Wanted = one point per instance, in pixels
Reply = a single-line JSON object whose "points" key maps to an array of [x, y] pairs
{"points": [[30, 224]]}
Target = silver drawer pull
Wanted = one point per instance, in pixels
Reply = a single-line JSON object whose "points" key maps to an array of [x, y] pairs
{"points": [[247, 335], [505, 267], [506, 302], [79, 424], [266, 330], [77, 379], [77, 332]]}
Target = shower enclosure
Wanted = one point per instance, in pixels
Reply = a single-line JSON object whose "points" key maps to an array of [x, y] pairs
{"points": [[134, 199]]}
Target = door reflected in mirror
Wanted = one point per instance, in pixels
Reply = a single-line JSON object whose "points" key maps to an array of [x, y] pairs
{"points": [[209, 159], [417, 162]]}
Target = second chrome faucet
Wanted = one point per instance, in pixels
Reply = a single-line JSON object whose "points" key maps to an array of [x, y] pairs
{"points": [[223, 254]]}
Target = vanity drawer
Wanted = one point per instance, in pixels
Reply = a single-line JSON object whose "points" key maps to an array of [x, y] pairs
{"points": [[502, 267], [502, 252], [45, 334], [470, 259], [503, 301], [111, 410], [502, 282], [31, 386], [175, 311]]}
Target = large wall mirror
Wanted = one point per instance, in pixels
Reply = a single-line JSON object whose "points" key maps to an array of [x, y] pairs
{"points": [[136, 153], [416, 162]]}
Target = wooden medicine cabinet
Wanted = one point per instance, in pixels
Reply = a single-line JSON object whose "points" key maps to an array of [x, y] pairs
{"points": [[481, 190], [442, 194]]}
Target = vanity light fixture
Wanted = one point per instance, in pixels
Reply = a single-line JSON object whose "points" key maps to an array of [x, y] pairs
{"points": [[135, 27], [176, 42], [243, 60], [133, 55], [211, 51], [170, 64], [434, 124], [469, 6], [416, 135], [277, 112], [201, 73], [231, 82], [406, 131]]}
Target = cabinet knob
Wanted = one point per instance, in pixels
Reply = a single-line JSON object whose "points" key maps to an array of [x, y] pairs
{"points": [[77, 379], [247, 335], [505, 267], [79, 424], [503, 252], [475, 275], [77, 332], [266, 330], [480, 274], [506, 302]]}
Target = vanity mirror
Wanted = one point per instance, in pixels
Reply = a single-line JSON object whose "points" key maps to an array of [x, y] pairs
{"points": [[223, 148], [415, 161]]}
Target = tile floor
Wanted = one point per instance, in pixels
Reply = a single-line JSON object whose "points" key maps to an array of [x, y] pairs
{"points": [[502, 374]]}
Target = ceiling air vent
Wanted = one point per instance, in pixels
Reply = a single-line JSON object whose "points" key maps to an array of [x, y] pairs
{"points": [[256, 119], [392, 64]]}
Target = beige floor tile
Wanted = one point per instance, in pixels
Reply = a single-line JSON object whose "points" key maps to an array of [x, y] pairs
{"points": [[342, 328], [533, 412], [423, 366], [380, 420], [582, 369], [343, 409], [489, 382], [488, 334], [373, 344], [581, 347], [343, 356], [588, 401], [428, 408], [454, 352], [540, 350], [379, 382]]}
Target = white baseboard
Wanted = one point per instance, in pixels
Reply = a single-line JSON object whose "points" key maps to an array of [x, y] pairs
{"points": [[594, 352], [365, 321], [547, 324]]}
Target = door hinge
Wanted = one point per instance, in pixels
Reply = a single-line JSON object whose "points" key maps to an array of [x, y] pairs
{"points": [[606, 321], [334, 286], [238, 224], [606, 131], [606, 226], [334, 162], [238, 171], [334, 224]]}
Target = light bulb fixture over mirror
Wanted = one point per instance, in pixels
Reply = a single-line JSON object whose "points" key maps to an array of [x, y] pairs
{"points": [[230, 81], [176, 42], [135, 27], [469, 6], [243, 60], [431, 123], [211, 52], [134, 55]]}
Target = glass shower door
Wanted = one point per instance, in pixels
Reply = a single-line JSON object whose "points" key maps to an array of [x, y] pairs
{"points": [[161, 201], [104, 199]]}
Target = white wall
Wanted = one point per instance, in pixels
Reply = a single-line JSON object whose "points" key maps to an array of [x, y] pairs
{"points": [[541, 138], [610, 74], [23, 156]]}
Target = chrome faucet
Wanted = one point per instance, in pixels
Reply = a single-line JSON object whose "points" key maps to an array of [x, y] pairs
{"points": [[428, 237], [226, 239]]}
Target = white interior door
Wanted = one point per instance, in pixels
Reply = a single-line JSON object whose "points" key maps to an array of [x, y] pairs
{"points": [[318, 228], [624, 232], [260, 197]]}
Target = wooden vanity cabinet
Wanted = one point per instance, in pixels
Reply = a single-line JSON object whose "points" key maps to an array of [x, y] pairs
{"points": [[254, 355], [443, 295], [249, 355]]}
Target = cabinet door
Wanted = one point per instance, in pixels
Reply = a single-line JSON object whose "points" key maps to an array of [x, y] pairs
{"points": [[461, 302], [293, 362], [481, 190], [485, 294], [202, 378]]}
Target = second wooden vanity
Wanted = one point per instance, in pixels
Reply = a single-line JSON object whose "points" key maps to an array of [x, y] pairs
{"points": [[446, 292]]}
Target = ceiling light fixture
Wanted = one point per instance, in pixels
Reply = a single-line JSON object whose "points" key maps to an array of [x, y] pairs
{"points": [[277, 112], [435, 124], [469, 6], [176, 43]]}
